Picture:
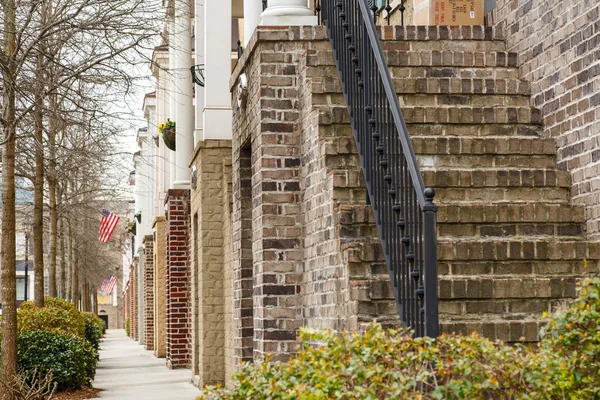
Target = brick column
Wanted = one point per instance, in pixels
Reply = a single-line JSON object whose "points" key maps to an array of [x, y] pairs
{"points": [[148, 292], [134, 300], [208, 264], [178, 285], [160, 287]]}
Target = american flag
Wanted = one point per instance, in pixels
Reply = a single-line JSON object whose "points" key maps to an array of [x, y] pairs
{"points": [[107, 225], [109, 284]]}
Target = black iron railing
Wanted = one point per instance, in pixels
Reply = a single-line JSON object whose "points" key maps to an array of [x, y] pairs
{"points": [[403, 207]]}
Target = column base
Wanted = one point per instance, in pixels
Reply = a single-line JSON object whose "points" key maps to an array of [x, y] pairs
{"points": [[288, 15]]}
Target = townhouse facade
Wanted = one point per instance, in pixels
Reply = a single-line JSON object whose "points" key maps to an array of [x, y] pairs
{"points": [[291, 199]]}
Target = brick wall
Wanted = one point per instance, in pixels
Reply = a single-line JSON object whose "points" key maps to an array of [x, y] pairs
{"points": [[558, 43], [160, 287], [316, 255], [134, 299], [177, 282], [208, 262], [148, 292]]}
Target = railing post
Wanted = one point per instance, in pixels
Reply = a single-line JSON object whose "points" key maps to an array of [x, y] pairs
{"points": [[432, 325]]}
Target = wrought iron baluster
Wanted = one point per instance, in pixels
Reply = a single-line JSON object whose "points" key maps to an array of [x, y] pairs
{"points": [[403, 208]]}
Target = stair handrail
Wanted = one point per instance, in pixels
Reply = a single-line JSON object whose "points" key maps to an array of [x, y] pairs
{"points": [[407, 228]]}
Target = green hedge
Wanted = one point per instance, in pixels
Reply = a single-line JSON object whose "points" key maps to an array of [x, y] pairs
{"points": [[71, 359], [94, 328], [56, 316], [380, 364]]}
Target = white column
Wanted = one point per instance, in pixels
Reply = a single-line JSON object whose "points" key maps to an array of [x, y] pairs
{"points": [[199, 59], [172, 93], [252, 12], [288, 12], [138, 196], [184, 113], [217, 70]]}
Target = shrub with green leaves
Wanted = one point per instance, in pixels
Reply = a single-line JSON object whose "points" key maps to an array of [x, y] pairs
{"points": [[380, 364], [71, 359], [56, 316], [94, 328]]}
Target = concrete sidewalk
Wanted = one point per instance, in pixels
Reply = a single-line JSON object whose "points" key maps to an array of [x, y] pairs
{"points": [[127, 371]]}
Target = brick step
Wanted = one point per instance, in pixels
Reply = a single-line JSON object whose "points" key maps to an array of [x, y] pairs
{"points": [[495, 178], [516, 249], [473, 77], [420, 83], [475, 100], [510, 213], [501, 308], [504, 195], [483, 145], [473, 231], [409, 54], [461, 85], [491, 269], [493, 329], [475, 130], [486, 161], [472, 115], [443, 33], [504, 288]]}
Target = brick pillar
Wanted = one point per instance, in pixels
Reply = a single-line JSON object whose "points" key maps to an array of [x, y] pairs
{"points": [[134, 300], [160, 287], [208, 264], [178, 285], [148, 292]]}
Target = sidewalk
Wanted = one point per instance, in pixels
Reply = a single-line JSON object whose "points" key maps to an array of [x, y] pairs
{"points": [[127, 371]]}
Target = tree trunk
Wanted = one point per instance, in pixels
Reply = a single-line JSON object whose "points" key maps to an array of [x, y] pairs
{"points": [[53, 200], [71, 262], [8, 250], [38, 188], [63, 260], [75, 277]]}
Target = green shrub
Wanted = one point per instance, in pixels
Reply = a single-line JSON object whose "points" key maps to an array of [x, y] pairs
{"points": [[127, 327], [56, 316], [94, 328], [380, 364], [71, 359]]}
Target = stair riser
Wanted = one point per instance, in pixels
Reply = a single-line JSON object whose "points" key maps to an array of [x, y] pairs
{"points": [[429, 100], [487, 269], [508, 230], [496, 179], [480, 146], [485, 161], [513, 194], [513, 213]]}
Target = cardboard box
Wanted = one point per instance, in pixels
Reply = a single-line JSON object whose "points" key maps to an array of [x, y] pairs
{"points": [[456, 12]]}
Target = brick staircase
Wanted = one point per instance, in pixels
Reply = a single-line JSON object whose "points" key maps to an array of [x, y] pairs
{"points": [[510, 243]]}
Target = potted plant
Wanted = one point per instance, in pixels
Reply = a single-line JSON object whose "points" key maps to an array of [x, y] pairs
{"points": [[167, 130]]}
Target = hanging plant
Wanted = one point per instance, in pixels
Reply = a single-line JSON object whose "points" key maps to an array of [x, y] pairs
{"points": [[138, 216], [167, 130], [132, 227]]}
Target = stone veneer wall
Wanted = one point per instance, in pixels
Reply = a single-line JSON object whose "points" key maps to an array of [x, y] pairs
{"points": [[160, 287], [226, 201], [316, 256], [558, 43], [209, 218], [178, 285], [148, 292]]}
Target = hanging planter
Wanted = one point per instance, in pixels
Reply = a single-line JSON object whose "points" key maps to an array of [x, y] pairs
{"points": [[167, 130], [132, 227]]}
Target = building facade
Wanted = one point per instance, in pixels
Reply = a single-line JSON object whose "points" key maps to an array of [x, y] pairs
{"points": [[261, 221]]}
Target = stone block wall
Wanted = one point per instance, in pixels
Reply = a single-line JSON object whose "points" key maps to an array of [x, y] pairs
{"points": [[160, 287], [212, 158], [558, 43], [148, 292], [177, 281]]}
